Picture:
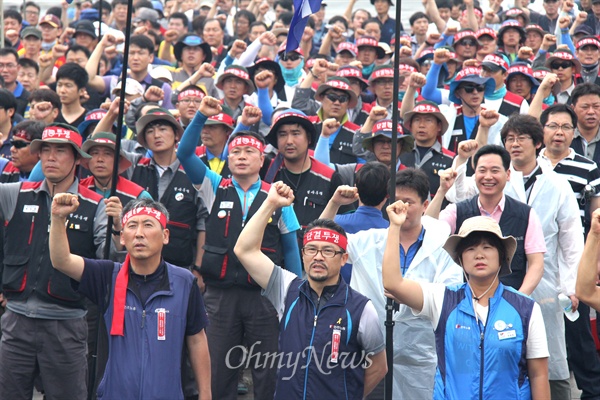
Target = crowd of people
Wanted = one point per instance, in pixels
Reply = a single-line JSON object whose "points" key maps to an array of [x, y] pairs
{"points": [[249, 225]]}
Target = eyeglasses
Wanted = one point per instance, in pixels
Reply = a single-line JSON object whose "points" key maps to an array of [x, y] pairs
{"points": [[342, 98], [518, 139], [327, 253], [19, 144], [559, 64], [566, 128], [8, 66], [290, 57], [196, 102], [467, 42], [471, 88], [384, 82]]}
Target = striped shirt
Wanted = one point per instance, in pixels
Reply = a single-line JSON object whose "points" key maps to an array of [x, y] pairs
{"points": [[580, 172]]}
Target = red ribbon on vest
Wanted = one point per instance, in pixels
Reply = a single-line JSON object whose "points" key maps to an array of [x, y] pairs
{"points": [[118, 320]]}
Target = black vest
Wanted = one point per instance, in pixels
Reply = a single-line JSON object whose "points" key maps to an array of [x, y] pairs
{"points": [[431, 166], [514, 221], [225, 172], [577, 145], [10, 173], [126, 190], [27, 265], [341, 150], [220, 266], [511, 104], [459, 124], [180, 201]]}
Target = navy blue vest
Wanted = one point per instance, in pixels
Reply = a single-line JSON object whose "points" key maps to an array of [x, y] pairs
{"points": [[306, 336], [514, 221]]}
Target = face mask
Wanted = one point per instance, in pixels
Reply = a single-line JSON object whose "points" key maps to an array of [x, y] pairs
{"points": [[368, 69], [48, 46], [292, 76]]}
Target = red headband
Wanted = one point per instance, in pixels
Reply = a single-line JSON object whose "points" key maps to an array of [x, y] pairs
{"points": [[325, 235], [190, 93], [246, 141], [58, 132], [406, 67], [23, 134], [160, 217]]}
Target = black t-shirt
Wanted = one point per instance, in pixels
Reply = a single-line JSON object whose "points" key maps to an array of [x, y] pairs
{"points": [[96, 284], [74, 123]]}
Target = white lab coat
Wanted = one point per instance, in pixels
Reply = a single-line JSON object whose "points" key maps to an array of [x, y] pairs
{"points": [[415, 357], [555, 203]]}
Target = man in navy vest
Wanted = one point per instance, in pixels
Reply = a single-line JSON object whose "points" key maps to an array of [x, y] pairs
{"points": [[152, 308], [324, 323], [492, 171]]}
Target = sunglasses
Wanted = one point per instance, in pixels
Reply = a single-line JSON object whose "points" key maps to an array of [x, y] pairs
{"points": [[559, 64], [467, 42], [472, 88], [19, 144], [342, 98], [290, 57]]}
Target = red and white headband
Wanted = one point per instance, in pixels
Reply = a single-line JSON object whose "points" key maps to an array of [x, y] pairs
{"points": [[246, 141], [160, 217], [325, 235]]}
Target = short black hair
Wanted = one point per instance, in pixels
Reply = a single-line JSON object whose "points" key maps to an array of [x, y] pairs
{"points": [[121, 2], [257, 23], [198, 24], [33, 128], [207, 20], [418, 15], [372, 182], [286, 17], [143, 4], [14, 14], [181, 16], [73, 72], [5, 51], [415, 179], [338, 18], [556, 109], [476, 238], [143, 42], [105, 5], [31, 4], [56, 11], [372, 21], [7, 100], [29, 63], [523, 124], [327, 224], [245, 14], [363, 10], [144, 202], [48, 95], [77, 47], [584, 89], [288, 5], [443, 4], [493, 149]]}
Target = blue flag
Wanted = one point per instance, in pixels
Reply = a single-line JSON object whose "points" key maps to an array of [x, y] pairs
{"points": [[302, 10]]}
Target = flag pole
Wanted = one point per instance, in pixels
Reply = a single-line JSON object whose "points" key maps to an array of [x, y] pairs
{"points": [[389, 307]]}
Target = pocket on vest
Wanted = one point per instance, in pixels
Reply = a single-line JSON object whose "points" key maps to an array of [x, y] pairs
{"points": [[59, 287], [14, 277]]}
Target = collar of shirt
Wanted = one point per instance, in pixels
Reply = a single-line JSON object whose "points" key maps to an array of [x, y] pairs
{"points": [[18, 90], [568, 91], [369, 211], [245, 201], [72, 189], [173, 166], [497, 210], [594, 140], [344, 118], [570, 156], [210, 156]]}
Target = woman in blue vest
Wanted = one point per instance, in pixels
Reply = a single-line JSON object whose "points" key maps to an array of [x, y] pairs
{"points": [[490, 339]]}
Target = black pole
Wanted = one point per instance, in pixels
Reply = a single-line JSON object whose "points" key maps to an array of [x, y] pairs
{"points": [[100, 3], [115, 174], [389, 307]]}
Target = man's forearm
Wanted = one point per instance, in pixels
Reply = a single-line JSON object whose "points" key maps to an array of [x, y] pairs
{"points": [[330, 210], [535, 271], [200, 360], [375, 373]]}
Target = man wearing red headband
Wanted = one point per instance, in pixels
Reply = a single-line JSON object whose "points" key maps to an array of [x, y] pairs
{"points": [[152, 308], [44, 327], [320, 315], [237, 311]]}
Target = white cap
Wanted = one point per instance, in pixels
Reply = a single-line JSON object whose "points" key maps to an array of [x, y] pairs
{"points": [[132, 87], [161, 73]]}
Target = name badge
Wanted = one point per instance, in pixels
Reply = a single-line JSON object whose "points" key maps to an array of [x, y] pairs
{"points": [[31, 208], [507, 334], [226, 204], [457, 132]]}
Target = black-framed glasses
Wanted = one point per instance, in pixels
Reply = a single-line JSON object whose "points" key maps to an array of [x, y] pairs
{"points": [[342, 98], [327, 253], [561, 64], [19, 144], [290, 57], [472, 88]]}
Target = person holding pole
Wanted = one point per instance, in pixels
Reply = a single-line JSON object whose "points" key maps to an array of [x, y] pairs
{"points": [[327, 327]]}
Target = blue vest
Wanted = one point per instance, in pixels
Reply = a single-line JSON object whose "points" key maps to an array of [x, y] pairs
{"points": [[514, 221], [140, 366], [305, 339], [477, 361]]}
